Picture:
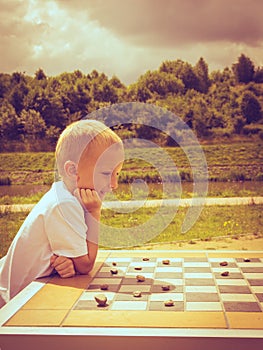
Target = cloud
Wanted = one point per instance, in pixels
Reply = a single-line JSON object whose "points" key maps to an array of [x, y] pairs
{"points": [[167, 23], [44, 34], [126, 38]]}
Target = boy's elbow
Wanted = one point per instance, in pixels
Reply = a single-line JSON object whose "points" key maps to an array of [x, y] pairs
{"points": [[84, 269], [83, 264]]}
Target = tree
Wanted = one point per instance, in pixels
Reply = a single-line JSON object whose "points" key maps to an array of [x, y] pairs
{"points": [[182, 70], [258, 75], [160, 83], [32, 123], [40, 74], [18, 95], [201, 71], [224, 77], [5, 83], [8, 122], [243, 70], [250, 107]]}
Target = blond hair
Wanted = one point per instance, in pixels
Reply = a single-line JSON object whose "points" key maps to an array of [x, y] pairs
{"points": [[82, 136]]}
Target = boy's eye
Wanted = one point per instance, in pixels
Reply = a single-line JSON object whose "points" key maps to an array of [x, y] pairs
{"points": [[106, 173]]}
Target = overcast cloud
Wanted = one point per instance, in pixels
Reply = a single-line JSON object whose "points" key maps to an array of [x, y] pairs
{"points": [[126, 37]]}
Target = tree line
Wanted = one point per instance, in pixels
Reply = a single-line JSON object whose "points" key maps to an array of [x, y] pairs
{"points": [[34, 109]]}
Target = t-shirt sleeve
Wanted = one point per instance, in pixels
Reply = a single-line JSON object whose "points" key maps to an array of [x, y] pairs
{"points": [[66, 229]]}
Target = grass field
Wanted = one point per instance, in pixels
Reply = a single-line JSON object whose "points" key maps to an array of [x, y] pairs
{"points": [[214, 221], [227, 162]]}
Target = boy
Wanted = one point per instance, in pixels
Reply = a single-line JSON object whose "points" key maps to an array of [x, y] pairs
{"points": [[61, 232]]}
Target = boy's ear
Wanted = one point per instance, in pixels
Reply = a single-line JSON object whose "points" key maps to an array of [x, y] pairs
{"points": [[70, 168]]}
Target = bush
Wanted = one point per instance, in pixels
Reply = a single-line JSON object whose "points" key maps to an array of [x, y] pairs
{"points": [[5, 181], [253, 129]]}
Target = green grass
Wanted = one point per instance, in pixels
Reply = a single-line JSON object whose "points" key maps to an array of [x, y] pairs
{"points": [[32, 199], [235, 162], [9, 225], [214, 221], [29, 161]]}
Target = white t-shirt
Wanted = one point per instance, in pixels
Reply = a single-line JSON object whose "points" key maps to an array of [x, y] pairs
{"points": [[56, 225]]}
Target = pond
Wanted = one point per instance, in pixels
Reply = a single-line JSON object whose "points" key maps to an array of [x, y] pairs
{"points": [[215, 189]]}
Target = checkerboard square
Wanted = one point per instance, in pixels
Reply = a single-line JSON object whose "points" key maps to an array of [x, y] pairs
{"points": [[129, 305], [238, 297], [172, 281], [143, 264], [110, 275], [99, 281], [200, 289], [168, 269], [97, 287], [91, 295], [90, 305], [257, 289], [254, 276], [132, 280], [255, 282], [130, 288], [231, 270], [234, 289], [166, 296], [148, 276], [251, 260], [259, 296], [203, 306], [231, 282], [130, 297], [159, 306], [199, 282], [172, 275], [229, 264], [250, 264], [252, 270], [172, 263], [151, 260], [172, 260], [202, 297], [197, 270], [195, 259], [232, 275], [198, 275], [142, 271], [158, 288], [118, 260], [241, 306], [196, 264]]}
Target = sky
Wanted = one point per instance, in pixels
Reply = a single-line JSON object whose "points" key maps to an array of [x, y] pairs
{"points": [[126, 38]]}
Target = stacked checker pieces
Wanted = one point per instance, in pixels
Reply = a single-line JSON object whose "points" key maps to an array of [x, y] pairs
{"points": [[176, 284]]}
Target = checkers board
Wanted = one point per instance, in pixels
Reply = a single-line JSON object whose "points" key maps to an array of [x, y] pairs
{"points": [[200, 295], [206, 310]]}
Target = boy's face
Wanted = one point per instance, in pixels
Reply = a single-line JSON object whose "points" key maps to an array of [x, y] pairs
{"points": [[101, 170]]}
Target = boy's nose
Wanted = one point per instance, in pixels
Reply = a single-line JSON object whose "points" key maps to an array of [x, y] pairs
{"points": [[114, 183]]}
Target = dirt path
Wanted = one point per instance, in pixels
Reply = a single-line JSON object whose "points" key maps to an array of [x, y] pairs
{"points": [[237, 243], [157, 202]]}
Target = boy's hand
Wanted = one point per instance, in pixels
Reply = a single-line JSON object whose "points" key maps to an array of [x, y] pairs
{"points": [[63, 265], [90, 200]]}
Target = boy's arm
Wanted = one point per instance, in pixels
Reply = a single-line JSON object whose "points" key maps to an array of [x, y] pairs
{"points": [[68, 267], [92, 204], [63, 265], [84, 264]]}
